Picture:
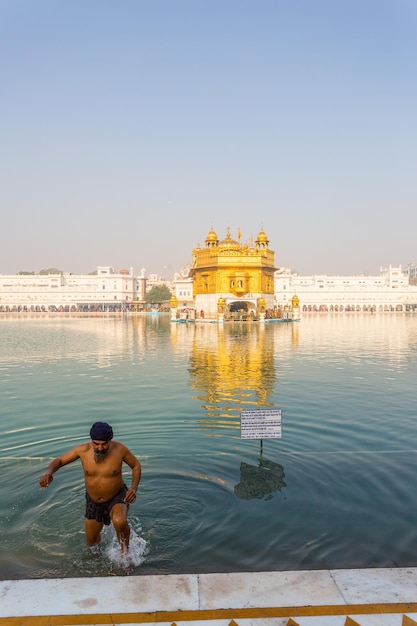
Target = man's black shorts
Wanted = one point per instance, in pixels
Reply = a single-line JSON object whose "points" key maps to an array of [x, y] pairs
{"points": [[100, 511]]}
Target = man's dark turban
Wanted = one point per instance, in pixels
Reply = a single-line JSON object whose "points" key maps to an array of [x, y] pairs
{"points": [[101, 431]]}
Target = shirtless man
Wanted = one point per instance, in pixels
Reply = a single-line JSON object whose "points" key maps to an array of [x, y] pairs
{"points": [[107, 496]]}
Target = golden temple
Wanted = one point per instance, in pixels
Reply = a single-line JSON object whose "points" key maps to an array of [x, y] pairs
{"points": [[230, 277]]}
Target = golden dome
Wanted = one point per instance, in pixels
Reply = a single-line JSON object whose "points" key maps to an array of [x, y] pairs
{"points": [[228, 242], [212, 235], [262, 236], [211, 239]]}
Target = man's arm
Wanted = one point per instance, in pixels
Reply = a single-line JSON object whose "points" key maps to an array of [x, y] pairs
{"points": [[46, 479], [136, 468]]}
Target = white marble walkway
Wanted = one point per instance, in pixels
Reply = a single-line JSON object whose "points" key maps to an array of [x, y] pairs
{"points": [[368, 597]]}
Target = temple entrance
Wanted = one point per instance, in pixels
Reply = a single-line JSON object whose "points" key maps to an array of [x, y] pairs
{"points": [[236, 307], [241, 311]]}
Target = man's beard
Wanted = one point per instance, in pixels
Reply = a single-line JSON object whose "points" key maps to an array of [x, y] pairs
{"points": [[100, 455]]}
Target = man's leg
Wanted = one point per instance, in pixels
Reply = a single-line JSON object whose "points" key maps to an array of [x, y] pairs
{"points": [[118, 516], [92, 531]]}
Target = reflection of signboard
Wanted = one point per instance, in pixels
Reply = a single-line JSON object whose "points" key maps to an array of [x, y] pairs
{"points": [[261, 424], [261, 481]]}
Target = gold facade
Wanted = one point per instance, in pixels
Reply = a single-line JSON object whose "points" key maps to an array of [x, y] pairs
{"points": [[234, 270]]}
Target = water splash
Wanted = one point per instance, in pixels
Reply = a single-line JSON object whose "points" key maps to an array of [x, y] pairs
{"points": [[134, 557]]}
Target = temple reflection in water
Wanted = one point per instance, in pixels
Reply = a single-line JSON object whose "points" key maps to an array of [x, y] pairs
{"points": [[231, 368]]}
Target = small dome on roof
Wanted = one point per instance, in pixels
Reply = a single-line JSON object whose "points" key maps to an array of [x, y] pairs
{"points": [[211, 239], [262, 236], [212, 235]]}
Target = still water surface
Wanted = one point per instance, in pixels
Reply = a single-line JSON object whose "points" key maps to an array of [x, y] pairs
{"points": [[338, 490]]}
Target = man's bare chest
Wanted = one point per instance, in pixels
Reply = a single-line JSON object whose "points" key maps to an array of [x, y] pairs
{"points": [[107, 468]]}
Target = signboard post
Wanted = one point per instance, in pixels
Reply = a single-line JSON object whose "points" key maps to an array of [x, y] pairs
{"points": [[263, 424]]}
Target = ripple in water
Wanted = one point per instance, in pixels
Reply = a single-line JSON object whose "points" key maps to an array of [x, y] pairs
{"points": [[342, 494]]}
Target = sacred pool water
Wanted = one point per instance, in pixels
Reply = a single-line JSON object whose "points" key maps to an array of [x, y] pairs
{"points": [[338, 490]]}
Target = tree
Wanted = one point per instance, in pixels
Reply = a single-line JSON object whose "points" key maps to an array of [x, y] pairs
{"points": [[158, 294], [50, 270]]}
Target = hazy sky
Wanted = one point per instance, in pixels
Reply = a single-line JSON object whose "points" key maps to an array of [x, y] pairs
{"points": [[130, 127]]}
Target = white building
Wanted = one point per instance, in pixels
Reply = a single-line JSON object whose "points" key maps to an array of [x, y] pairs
{"points": [[182, 287], [154, 280], [412, 270], [103, 290], [183, 290], [110, 290], [389, 291]]}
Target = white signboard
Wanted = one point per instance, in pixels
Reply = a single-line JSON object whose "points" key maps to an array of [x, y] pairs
{"points": [[261, 424]]}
